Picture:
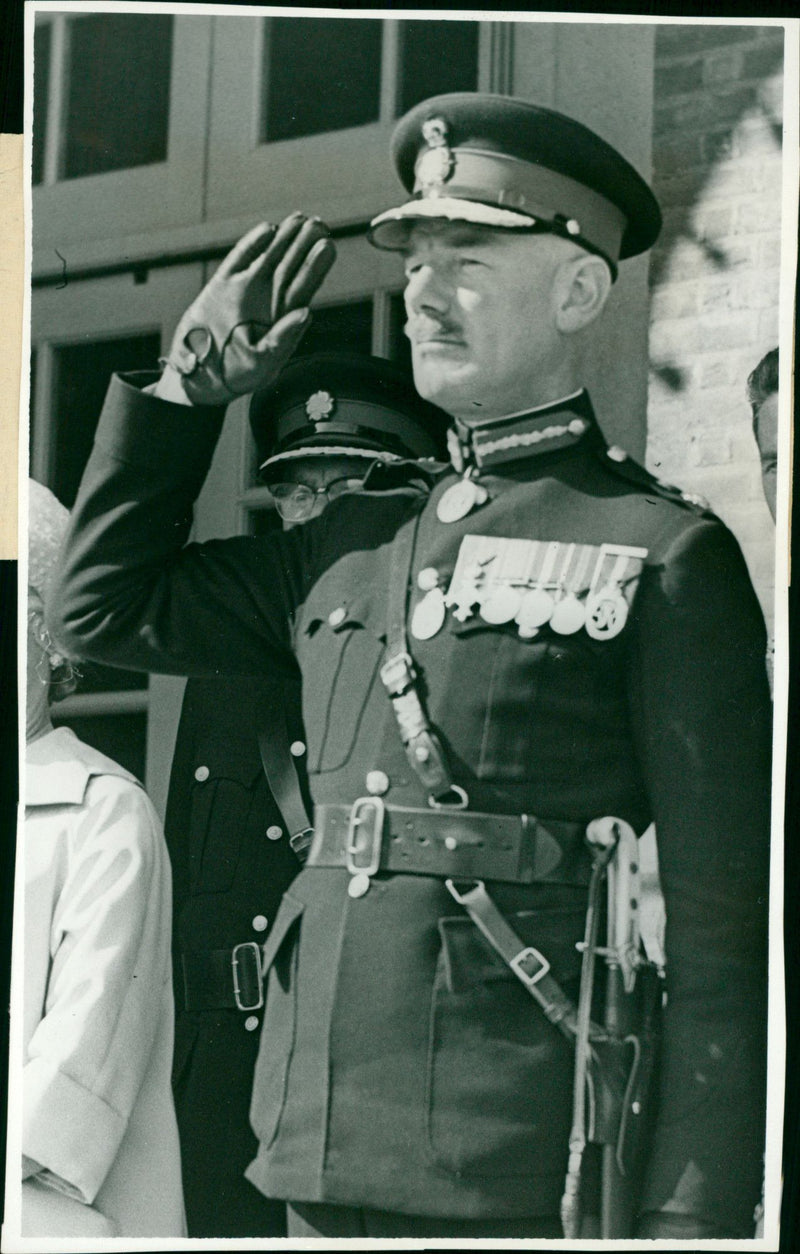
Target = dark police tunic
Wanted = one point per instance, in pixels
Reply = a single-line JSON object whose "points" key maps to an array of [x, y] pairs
{"points": [[401, 1066], [231, 863]]}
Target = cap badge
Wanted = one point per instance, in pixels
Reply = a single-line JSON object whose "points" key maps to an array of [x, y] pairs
{"points": [[436, 165], [319, 406]]}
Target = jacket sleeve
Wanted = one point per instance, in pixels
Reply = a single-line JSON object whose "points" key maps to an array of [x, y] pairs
{"points": [[109, 945], [131, 592], [702, 712]]}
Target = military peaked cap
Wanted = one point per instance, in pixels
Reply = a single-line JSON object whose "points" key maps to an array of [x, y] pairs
{"points": [[346, 404], [507, 163]]}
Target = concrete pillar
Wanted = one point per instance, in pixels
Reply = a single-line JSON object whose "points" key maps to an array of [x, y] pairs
{"points": [[601, 74]]}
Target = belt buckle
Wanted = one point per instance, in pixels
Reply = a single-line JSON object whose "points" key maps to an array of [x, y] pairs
{"points": [[253, 948], [517, 965], [358, 860]]}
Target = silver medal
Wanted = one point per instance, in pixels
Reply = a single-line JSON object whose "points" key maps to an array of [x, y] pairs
{"points": [[568, 615], [428, 616], [535, 609], [500, 605], [606, 614], [459, 499]]}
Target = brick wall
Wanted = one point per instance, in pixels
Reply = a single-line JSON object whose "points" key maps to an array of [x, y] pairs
{"points": [[714, 274]]}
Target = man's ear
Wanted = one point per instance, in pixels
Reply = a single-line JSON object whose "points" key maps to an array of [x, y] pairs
{"points": [[582, 288]]}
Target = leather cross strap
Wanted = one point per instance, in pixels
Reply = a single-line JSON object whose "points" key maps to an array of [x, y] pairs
{"points": [[399, 677], [281, 770], [529, 965]]}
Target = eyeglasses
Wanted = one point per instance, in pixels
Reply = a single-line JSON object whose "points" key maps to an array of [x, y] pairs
{"points": [[295, 501]]}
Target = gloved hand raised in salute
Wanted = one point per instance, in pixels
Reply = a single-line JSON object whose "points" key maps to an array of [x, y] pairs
{"points": [[247, 321]]}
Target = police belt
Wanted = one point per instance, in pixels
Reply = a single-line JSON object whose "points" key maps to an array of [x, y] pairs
{"points": [[222, 979], [370, 836]]}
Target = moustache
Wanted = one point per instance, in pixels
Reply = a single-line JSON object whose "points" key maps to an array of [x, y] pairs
{"points": [[420, 329]]}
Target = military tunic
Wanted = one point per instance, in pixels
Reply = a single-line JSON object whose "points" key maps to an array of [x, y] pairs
{"points": [[231, 863], [402, 1067]]}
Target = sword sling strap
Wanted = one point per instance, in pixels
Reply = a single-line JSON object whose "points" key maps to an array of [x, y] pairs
{"points": [[284, 782], [399, 675]]}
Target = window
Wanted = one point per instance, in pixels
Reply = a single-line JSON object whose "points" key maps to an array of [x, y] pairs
{"points": [[111, 78], [340, 57], [41, 93], [436, 57]]}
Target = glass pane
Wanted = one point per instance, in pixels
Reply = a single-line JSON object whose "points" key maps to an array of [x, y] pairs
{"points": [[321, 74], [117, 103], [41, 90], [122, 737], [436, 57], [339, 328], [82, 373]]}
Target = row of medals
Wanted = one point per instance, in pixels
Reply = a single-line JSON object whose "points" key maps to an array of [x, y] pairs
{"points": [[603, 614]]}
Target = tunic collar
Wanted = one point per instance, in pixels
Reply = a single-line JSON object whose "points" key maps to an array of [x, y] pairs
{"points": [[545, 429], [58, 766]]}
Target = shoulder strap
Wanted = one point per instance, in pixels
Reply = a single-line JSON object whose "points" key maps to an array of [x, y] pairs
{"points": [[285, 779]]}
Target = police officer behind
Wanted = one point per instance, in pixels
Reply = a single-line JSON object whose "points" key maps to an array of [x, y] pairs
{"points": [[585, 644], [238, 807]]}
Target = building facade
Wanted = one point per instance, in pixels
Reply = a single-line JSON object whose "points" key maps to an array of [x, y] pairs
{"points": [[159, 138]]}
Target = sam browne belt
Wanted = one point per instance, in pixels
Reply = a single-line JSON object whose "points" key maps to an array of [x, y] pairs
{"points": [[371, 836]]}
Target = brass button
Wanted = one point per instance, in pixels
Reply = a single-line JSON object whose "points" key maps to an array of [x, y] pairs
{"points": [[260, 923], [337, 616], [377, 783], [251, 1023], [617, 454], [297, 748], [274, 832], [201, 774], [428, 579]]}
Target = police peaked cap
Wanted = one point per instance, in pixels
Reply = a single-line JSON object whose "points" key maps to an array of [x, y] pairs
{"points": [[502, 162], [343, 404]]}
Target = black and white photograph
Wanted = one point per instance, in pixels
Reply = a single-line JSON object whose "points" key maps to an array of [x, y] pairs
{"points": [[405, 488]]}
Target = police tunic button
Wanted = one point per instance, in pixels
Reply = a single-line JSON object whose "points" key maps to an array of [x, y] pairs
{"points": [[359, 884], [297, 748], [260, 923], [457, 500], [274, 832], [577, 426], [616, 453], [251, 1023], [337, 616], [377, 783], [201, 774], [535, 608], [429, 615], [573, 227], [568, 616], [428, 579], [500, 605], [606, 614]]}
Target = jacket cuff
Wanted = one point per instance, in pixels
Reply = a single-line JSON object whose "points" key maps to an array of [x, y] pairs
{"points": [[73, 1133], [141, 429]]}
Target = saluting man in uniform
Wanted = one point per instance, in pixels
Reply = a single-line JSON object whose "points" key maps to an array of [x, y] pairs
{"points": [[535, 644], [238, 813]]}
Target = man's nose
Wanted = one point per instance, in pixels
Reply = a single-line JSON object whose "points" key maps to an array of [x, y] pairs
{"points": [[427, 290]]}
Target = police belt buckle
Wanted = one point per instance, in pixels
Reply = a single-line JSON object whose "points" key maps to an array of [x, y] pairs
{"points": [[247, 977], [365, 836]]}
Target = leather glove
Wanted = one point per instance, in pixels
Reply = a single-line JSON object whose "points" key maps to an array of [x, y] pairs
{"points": [[238, 334]]}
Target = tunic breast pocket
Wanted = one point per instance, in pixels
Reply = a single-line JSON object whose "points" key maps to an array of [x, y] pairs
{"points": [[220, 808], [340, 656]]}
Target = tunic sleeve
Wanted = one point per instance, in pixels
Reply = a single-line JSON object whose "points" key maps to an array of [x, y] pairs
{"points": [[130, 591], [702, 713], [109, 946]]}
